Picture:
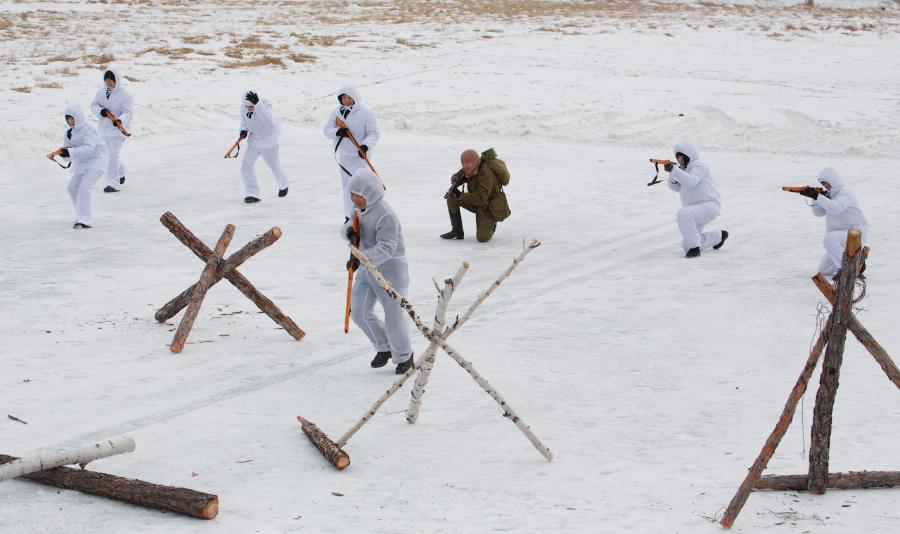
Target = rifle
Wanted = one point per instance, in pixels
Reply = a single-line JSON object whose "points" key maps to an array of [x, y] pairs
{"points": [[341, 124], [117, 123], [453, 186], [52, 157], [237, 145], [350, 272], [802, 188], [656, 163]]}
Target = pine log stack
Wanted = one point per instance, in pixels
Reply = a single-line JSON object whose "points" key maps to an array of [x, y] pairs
{"points": [[171, 499]]}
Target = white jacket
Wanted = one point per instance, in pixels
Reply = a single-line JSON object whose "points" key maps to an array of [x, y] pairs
{"points": [[839, 205], [87, 151], [119, 103], [360, 121], [694, 184], [262, 126]]}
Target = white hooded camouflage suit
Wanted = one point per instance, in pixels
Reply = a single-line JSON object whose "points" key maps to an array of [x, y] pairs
{"points": [[87, 152], [263, 139], [842, 212], [119, 102], [381, 239], [700, 200]]}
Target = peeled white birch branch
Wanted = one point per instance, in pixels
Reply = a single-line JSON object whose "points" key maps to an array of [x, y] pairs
{"points": [[444, 296], [54, 458], [435, 337]]}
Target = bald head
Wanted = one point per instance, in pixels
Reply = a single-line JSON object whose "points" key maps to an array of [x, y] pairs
{"points": [[470, 160]]}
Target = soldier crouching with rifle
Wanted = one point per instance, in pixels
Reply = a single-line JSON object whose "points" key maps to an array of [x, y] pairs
{"points": [[484, 177]]}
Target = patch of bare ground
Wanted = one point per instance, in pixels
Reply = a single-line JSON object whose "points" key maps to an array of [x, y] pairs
{"points": [[264, 61]]}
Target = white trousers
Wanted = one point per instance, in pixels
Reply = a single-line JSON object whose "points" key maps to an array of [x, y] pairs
{"points": [[115, 169], [351, 167], [80, 192], [834, 243], [248, 168], [392, 334], [692, 219]]}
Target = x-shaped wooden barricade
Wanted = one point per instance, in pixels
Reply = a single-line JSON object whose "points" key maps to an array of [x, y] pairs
{"points": [[437, 336], [217, 268], [833, 336]]}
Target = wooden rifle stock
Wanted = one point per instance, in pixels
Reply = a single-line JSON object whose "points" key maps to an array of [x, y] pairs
{"points": [[55, 153], [341, 124], [663, 161], [350, 272], [802, 188], [656, 163], [117, 123], [235, 145]]}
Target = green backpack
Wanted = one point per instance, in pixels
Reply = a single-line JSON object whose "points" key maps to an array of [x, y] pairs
{"points": [[496, 165], [497, 205]]}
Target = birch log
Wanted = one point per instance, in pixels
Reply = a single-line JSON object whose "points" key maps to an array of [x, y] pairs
{"points": [[55, 458], [436, 338], [180, 500], [329, 449], [851, 480], [820, 441], [862, 334], [206, 278], [236, 278], [444, 296], [787, 415], [171, 308]]}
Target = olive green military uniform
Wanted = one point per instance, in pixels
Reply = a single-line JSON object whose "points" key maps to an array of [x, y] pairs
{"points": [[481, 189]]}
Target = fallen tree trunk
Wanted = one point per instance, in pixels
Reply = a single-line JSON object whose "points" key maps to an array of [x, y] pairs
{"points": [[851, 480], [328, 448], [180, 500], [54, 458]]}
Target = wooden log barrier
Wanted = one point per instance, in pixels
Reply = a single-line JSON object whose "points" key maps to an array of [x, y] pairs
{"points": [[328, 448], [851, 480], [171, 499]]}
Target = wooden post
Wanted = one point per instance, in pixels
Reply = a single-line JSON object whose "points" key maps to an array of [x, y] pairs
{"points": [[851, 480], [862, 334], [444, 296], [820, 441], [202, 286], [171, 308], [787, 415], [435, 338], [55, 458], [179, 500], [329, 449], [237, 279]]}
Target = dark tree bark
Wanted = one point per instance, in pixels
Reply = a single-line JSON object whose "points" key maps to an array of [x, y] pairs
{"points": [[328, 448], [851, 480]]}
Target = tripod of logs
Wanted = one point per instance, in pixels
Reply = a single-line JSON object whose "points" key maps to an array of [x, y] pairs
{"points": [[217, 268], [831, 340], [437, 337]]}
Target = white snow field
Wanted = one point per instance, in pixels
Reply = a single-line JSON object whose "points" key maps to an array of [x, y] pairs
{"points": [[653, 379]]}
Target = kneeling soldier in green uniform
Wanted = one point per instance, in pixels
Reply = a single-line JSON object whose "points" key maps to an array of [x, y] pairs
{"points": [[484, 177]]}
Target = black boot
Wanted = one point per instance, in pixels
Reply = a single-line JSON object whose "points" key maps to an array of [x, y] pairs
{"points": [[282, 192], [693, 253], [381, 359], [110, 189], [456, 231], [403, 367], [121, 180], [722, 242], [250, 200]]}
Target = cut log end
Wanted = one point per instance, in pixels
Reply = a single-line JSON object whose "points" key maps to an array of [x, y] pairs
{"points": [[211, 510], [854, 242], [276, 231]]}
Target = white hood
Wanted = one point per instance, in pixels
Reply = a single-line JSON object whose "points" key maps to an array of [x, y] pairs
{"points": [[119, 76], [830, 175], [688, 149], [349, 89], [77, 112]]}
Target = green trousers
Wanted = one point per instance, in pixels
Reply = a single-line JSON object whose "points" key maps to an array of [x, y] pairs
{"points": [[484, 223]]}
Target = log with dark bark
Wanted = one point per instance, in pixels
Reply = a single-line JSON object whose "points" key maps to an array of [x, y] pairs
{"points": [[180, 500], [171, 308], [862, 334], [328, 448], [851, 480], [787, 415], [200, 289], [236, 278], [820, 441]]}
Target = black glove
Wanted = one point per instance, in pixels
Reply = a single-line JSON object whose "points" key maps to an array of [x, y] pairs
{"points": [[104, 112], [363, 150], [353, 263], [810, 192], [352, 236], [251, 97], [64, 152], [342, 132], [243, 134], [456, 193], [669, 166]]}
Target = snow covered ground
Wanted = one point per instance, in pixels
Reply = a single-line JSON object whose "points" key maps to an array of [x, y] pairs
{"points": [[653, 379]]}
